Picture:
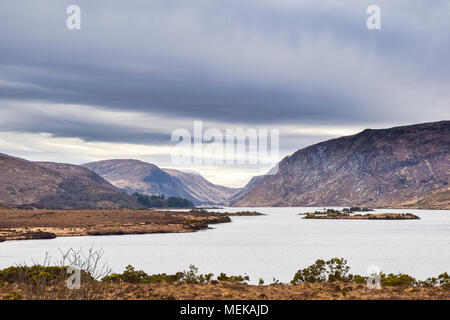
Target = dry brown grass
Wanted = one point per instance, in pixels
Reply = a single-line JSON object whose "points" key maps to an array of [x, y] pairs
{"points": [[18, 224], [237, 291]]}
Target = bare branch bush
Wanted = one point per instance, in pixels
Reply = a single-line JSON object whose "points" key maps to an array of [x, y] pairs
{"points": [[31, 280], [48, 280]]}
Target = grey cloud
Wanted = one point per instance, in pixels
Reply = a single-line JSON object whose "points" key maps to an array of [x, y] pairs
{"points": [[88, 128], [250, 62], [194, 98]]}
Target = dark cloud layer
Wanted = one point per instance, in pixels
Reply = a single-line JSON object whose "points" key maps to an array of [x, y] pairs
{"points": [[250, 62]]}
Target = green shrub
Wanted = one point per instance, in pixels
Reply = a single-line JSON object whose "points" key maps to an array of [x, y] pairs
{"points": [[359, 279], [195, 224], [34, 273], [398, 280], [337, 270], [321, 271], [130, 275], [442, 280], [115, 277], [238, 278], [168, 278], [314, 273], [192, 276]]}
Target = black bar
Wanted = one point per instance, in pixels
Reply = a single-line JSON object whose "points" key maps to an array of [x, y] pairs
{"points": [[229, 309]]}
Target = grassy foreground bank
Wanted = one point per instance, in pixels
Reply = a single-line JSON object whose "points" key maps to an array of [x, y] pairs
{"points": [[322, 280]]}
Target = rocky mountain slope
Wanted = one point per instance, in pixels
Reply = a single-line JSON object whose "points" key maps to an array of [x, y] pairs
{"points": [[142, 177], [253, 182], [201, 189], [405, 166], [56, 186]]}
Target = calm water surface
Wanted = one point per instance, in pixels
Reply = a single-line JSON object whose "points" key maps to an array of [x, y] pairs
{"points": [[271, 246]]}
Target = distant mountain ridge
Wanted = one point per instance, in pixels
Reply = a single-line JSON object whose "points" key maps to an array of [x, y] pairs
{"points": [[137, 176], [29, 184], [400, 167], [406, 166]]}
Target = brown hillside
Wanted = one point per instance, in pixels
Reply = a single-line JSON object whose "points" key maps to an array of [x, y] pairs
{"points": [[398, 167]]}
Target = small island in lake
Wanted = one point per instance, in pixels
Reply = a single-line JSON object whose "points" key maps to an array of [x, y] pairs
{"points": [[231, 214], [347, 214], [243, 214]]}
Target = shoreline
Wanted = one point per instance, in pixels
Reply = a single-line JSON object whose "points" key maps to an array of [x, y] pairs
{"points": [[16, 224]]}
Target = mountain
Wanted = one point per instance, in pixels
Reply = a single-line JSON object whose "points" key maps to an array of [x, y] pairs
{"points": [[405, 166], [253, 182], [201, 189], [29, 184], [142, 177]]}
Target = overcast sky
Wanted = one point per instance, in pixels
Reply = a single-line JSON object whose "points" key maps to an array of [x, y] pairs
{"points": [[137, 70]]}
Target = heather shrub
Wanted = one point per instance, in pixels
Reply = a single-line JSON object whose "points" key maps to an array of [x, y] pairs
{"points": [[35, 274], [442, 280], [46, 281], [335, 269], [313, 273], [192, 276], [131, 275], [359, 279], [398, 280], [238, 278]]}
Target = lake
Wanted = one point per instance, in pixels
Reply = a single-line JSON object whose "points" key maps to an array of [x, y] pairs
{"points": [[272, 246]]}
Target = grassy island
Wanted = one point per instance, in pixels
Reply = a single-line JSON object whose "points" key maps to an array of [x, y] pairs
{"points": [[243, 214], [378, 216], [231, 214]]}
